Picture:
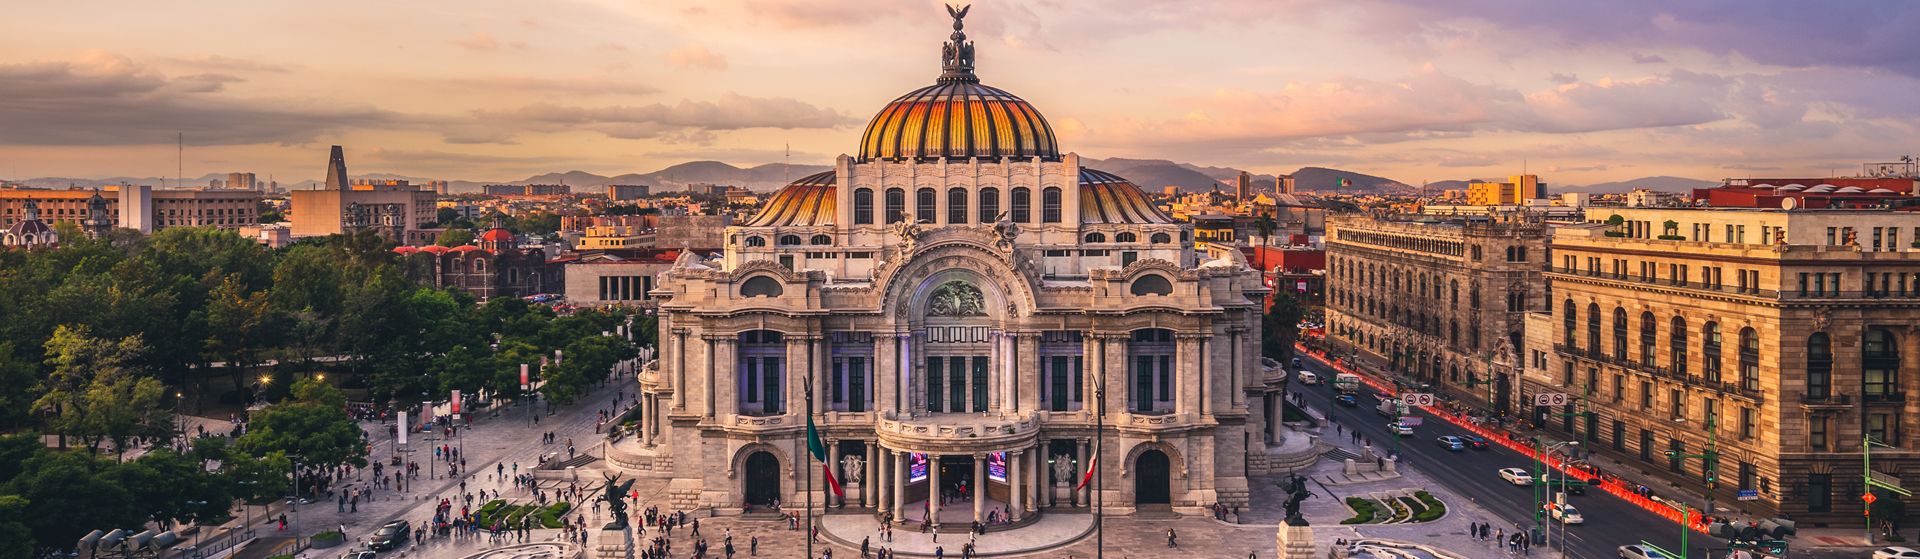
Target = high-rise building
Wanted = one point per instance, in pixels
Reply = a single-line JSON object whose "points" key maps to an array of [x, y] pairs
{"points": [[1243, 187], [1517, 191], [241, 181], [390, 206], [336, 171], [1284, 183], [626, 191]]}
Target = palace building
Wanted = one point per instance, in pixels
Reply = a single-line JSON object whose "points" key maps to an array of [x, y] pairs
{"points": [[971, 311]]}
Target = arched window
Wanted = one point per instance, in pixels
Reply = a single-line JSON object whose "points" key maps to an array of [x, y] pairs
{"points": [[1096, 238], [1710, 352], [1570, 323], [756, 242], [896, 205], [1454, 301], [1050, 205], [1152, 284], [1649, 332], [1819, 365], [1453, 333], [1523, 254], [1125, 238], [1475, 298], [926, 202], [1620, 333], [989, 205], [1750, 359], [479, 266], [822, 240], [1677, 346], [761, 286], [789, 239], [863, 206], [1880, 366], [1161, 238], [1022, 203], [956, 205], [1593, 328]]}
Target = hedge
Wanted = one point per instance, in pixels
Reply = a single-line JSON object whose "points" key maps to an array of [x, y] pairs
{"points": [[1435, 508], [1362, 511], [550, 516]]}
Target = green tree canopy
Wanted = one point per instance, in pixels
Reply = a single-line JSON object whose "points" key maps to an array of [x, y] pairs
{"points": [[313, 424]]}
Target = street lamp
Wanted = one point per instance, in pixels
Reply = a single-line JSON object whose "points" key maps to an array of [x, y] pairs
{"points": [[197, 534], [1541, 471], [253, 488]]}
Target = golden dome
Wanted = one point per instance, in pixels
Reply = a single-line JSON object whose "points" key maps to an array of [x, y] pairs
{"points": [[1107, 198], [806, 202], [958, 120]]}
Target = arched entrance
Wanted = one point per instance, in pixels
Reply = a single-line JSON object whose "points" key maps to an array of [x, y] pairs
{"points": [[762, 478], [1152, 479]]}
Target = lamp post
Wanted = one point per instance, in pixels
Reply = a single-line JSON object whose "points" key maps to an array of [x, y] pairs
{"points": [[430, 442], [252, 488], [296, 495], [1544, 448], [197, 534]]}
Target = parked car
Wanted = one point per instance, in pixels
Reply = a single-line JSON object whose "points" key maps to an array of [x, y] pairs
{"points": [[1451, 443], [1476, 443], [1347, 400], [1397, 427], [390, 536], [1516, 476], [1640, 552], [1896, 553], [1566, 514]]}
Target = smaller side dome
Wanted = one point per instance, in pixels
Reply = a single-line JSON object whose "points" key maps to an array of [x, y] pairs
{"points": [[806, 202], [497, 235], [1107, 198]]}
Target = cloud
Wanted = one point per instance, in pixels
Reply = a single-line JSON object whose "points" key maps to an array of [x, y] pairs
{"points": [[1739, 167], [105, 99], [1560, 78], [552, 85], [1647, 58], [695, 55], [217, 62], [480, 41], [430, 156], [686, 121]]}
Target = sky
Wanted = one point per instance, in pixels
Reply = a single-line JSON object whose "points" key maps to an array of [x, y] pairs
{"points": [[1414, 90]]}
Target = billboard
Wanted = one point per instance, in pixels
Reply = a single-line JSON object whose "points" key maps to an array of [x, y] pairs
{"points": [[997, 466], [916, 467]]}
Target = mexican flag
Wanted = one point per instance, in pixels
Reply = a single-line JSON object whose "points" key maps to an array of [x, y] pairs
{"points": [[1092, 467], [819, 451]]}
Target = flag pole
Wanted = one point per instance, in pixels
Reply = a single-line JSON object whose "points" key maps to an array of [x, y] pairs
{"points": [[1100, 485], [809, 536]]}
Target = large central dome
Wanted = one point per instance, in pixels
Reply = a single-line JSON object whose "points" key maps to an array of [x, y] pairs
{"points": [[958, 118]]}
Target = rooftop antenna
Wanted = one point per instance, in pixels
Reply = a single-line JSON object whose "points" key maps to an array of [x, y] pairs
{"points": [[786, 166], [179, 161]]}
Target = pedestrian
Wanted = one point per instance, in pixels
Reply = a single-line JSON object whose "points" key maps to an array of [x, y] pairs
{"points": [[753, 546], [863, 548], [1170, 538]]}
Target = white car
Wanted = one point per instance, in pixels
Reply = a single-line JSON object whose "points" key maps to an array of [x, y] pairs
{"points": [[1896, 553], [1639, 552], [1307, 378], [1516, 476], [1402, 429], [1566, 514]]}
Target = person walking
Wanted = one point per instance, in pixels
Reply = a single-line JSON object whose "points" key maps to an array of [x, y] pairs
{"points": [[753, 546], [1170, 539], [863, 548]]}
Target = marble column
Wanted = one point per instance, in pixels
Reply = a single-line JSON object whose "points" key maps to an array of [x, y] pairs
{"points": [[870, 481], [899, 488], [1026, 372], [794, 377], [679, 376], [1016, 492], [833, 465], [884, 361], [1080, 496], [1206, 376], [648, 425], [979, 491], [933, 489], [725, 387], [1040, 490], [822, 371]]}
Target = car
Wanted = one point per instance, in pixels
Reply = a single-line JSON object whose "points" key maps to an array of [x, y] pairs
{"points": [[362, 554], [1516, 476], [1571, 486], [390, 536], [1896, 553], [1307, 378], [1640, 552], [1397, 427], [1296, 362], [1451, 443], [1475, 443], [1347, 400], [1566, 514], [1381, 396]]}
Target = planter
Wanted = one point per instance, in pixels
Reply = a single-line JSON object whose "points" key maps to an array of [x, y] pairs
{"points": [[325, 540]]}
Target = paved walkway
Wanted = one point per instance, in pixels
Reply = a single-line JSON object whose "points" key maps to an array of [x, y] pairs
{"points": [[1051, 531]]}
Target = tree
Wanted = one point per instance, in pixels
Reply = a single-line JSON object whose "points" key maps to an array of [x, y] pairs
{"points": [[1281, 326], [80, 362], [15, 371], [240, 324], [16, 541], [455, 237], [1266, 225], [446, 216], [68, 494], [313, 425]]}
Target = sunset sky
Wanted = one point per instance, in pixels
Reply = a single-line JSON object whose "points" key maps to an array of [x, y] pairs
{"points": [[1580, 92]]}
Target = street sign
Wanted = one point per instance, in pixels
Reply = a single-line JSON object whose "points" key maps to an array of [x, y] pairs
{"points": [[1411, 421], [1749, 494], [1869, 498], [1418, 400], [1554, 399], [1886, 481]]}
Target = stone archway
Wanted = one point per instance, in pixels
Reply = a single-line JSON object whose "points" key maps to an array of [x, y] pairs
{"points": [[760, 480], [1153, 479]]}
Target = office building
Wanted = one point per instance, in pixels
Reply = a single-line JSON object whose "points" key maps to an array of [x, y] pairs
{"points": [[618, 192], [1517, 190], [389, 206]]}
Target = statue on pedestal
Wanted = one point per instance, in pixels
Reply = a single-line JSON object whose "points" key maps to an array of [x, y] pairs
{"points": [[616, 498]]}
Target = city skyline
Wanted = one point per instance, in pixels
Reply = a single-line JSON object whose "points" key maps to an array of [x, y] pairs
{"points": [[1580, 95]]}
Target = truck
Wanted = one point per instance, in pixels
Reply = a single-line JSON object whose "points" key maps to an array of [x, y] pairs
{"points": [[1347, 383], [1389, 407]]}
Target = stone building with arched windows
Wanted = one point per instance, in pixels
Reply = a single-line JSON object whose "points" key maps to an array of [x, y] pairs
{"points": [[968, 308]]}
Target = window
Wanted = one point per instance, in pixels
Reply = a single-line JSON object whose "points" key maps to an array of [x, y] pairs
{"points": [[1710, 352], [1819, 365], [1882, 427], [760, 286], [956, 205], [1570, 323], [925, 203], [1880, 366], [1619, 387], [1678, 402], [756, 242], [1677, 346], [1022, 205], [1646, 395], [1152, 284], [1749, 424], [1749, 359], [896, 205], [863, 206], [989, 205], [1646, 445], [1647, 337], [821, 240], [1676, 449], [1819, 492], [789, 239], [1593, 327], [1126, 238], [1161, 238], [1619, 333], [1619, 436], [1817, 433], [1748, 476], [1050, 205], [1096, 238]]}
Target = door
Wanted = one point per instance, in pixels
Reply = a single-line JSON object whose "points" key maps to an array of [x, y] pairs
{"points": [[1152, 479], [957, 383], [857, 384], [1059, 383], [1143, 384], [762, 479]]}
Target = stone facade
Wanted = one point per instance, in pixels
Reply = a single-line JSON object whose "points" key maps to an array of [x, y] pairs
{"points": [[1437, 302], [1793, 351]]}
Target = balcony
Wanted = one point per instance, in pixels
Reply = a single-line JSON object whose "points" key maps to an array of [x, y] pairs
{"points": [[1892, 397], [1830, 401]]}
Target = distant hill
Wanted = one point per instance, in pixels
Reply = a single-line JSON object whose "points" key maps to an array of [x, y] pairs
{"points": [[1438, 186], [1662, 183], [1324, 180]]}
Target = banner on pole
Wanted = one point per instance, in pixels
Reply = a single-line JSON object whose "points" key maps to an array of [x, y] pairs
{"points": [[456, 401], [404, 427], [523, 373]]}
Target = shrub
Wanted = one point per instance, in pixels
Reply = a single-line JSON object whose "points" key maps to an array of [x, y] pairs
{"points": [[1362, 511], [1435, 508], [1413, 506], [327, 535], [550, 516], [1671, 238], [1615, 234]]}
